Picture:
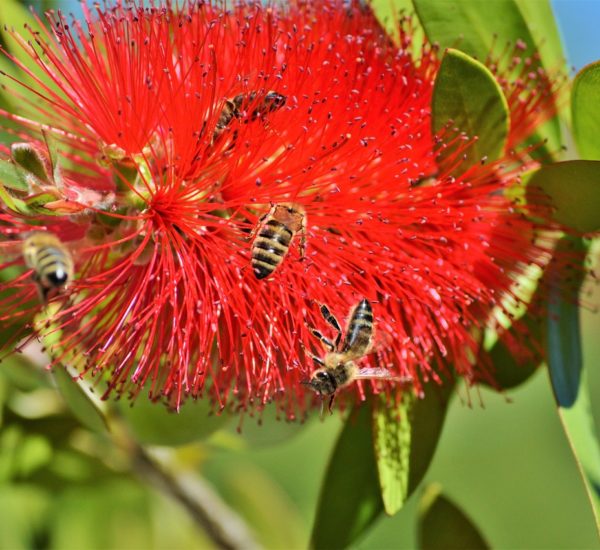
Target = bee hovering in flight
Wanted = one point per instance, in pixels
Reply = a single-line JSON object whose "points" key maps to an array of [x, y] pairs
{"points": [[245, 107], [50, 260], [274, 235], [338, 368]]}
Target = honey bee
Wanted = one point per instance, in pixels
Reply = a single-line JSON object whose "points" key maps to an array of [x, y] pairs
{"points": [[50, 260], [338, 368], [275, 232], [238, 106]]}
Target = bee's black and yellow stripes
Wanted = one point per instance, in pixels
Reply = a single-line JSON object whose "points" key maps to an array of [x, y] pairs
{"points": [[270, 247], [360, 330], [52, 266], [50, 260]]}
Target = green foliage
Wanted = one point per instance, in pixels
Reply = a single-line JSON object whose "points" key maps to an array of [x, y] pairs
{"points": [[18, 17], [280, 429], [481, 28], [24, 510], [392, 438], [467, 96], [350, 499], [155, 424], [585, 98], [568, 377], [11, 177], [574, 189], [78, 400], [30, 159], [444, 526]]}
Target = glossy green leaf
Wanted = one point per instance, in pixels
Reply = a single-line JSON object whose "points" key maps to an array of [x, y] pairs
{"points": [[11, 177], [573, 187], [567, 374], [388, 13], [507, 371], [405, 439], [444, 526], [79, 401], [350, 499], [540, 21], [155, 424], [585, 111], [478, 28], [467, 96], [473, 27]]}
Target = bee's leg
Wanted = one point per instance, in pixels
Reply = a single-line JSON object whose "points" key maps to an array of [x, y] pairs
{"points": [[327, 315], [316, 360], [330, 406], [325, 341]]}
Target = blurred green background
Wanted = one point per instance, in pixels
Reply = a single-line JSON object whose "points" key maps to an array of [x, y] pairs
{"points": [[504, 459]]}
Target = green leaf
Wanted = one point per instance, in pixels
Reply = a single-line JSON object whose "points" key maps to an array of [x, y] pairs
{"points": [[350, 499], [11, 177], [392, 438], [478, 28], [24, 509], [574, 191], [585, 111], [405, 440], [79, 401], [540, 21], [473, 27], [15, 15], [388, 13], [30, 158], [508, 372], [112, 513], [270, 428], [155, 424], [467, 95], [22, 373], [444, 526], [567, 374]]}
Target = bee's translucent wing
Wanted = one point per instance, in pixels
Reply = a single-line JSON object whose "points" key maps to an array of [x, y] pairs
{"points": [[359, 333], [377, 372]]}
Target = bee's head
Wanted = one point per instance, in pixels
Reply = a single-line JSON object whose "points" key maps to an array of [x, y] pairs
{"points": [[322, 382]]}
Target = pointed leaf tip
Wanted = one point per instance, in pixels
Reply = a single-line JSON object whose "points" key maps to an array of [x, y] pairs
{"points": [[443, 525]]}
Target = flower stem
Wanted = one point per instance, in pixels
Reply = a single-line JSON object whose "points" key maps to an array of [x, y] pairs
{"points": [[221, 524]]}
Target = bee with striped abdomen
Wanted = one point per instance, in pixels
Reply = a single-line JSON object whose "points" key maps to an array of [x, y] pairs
{"points": [[274, 235], [238, 107], [338, 368], [50, 260]]}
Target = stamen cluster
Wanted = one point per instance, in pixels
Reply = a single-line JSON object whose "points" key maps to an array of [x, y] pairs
{"points": [[163, 184]]}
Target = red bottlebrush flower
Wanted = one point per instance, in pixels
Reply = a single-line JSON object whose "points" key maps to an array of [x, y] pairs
{"points": [[200, 121]]}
